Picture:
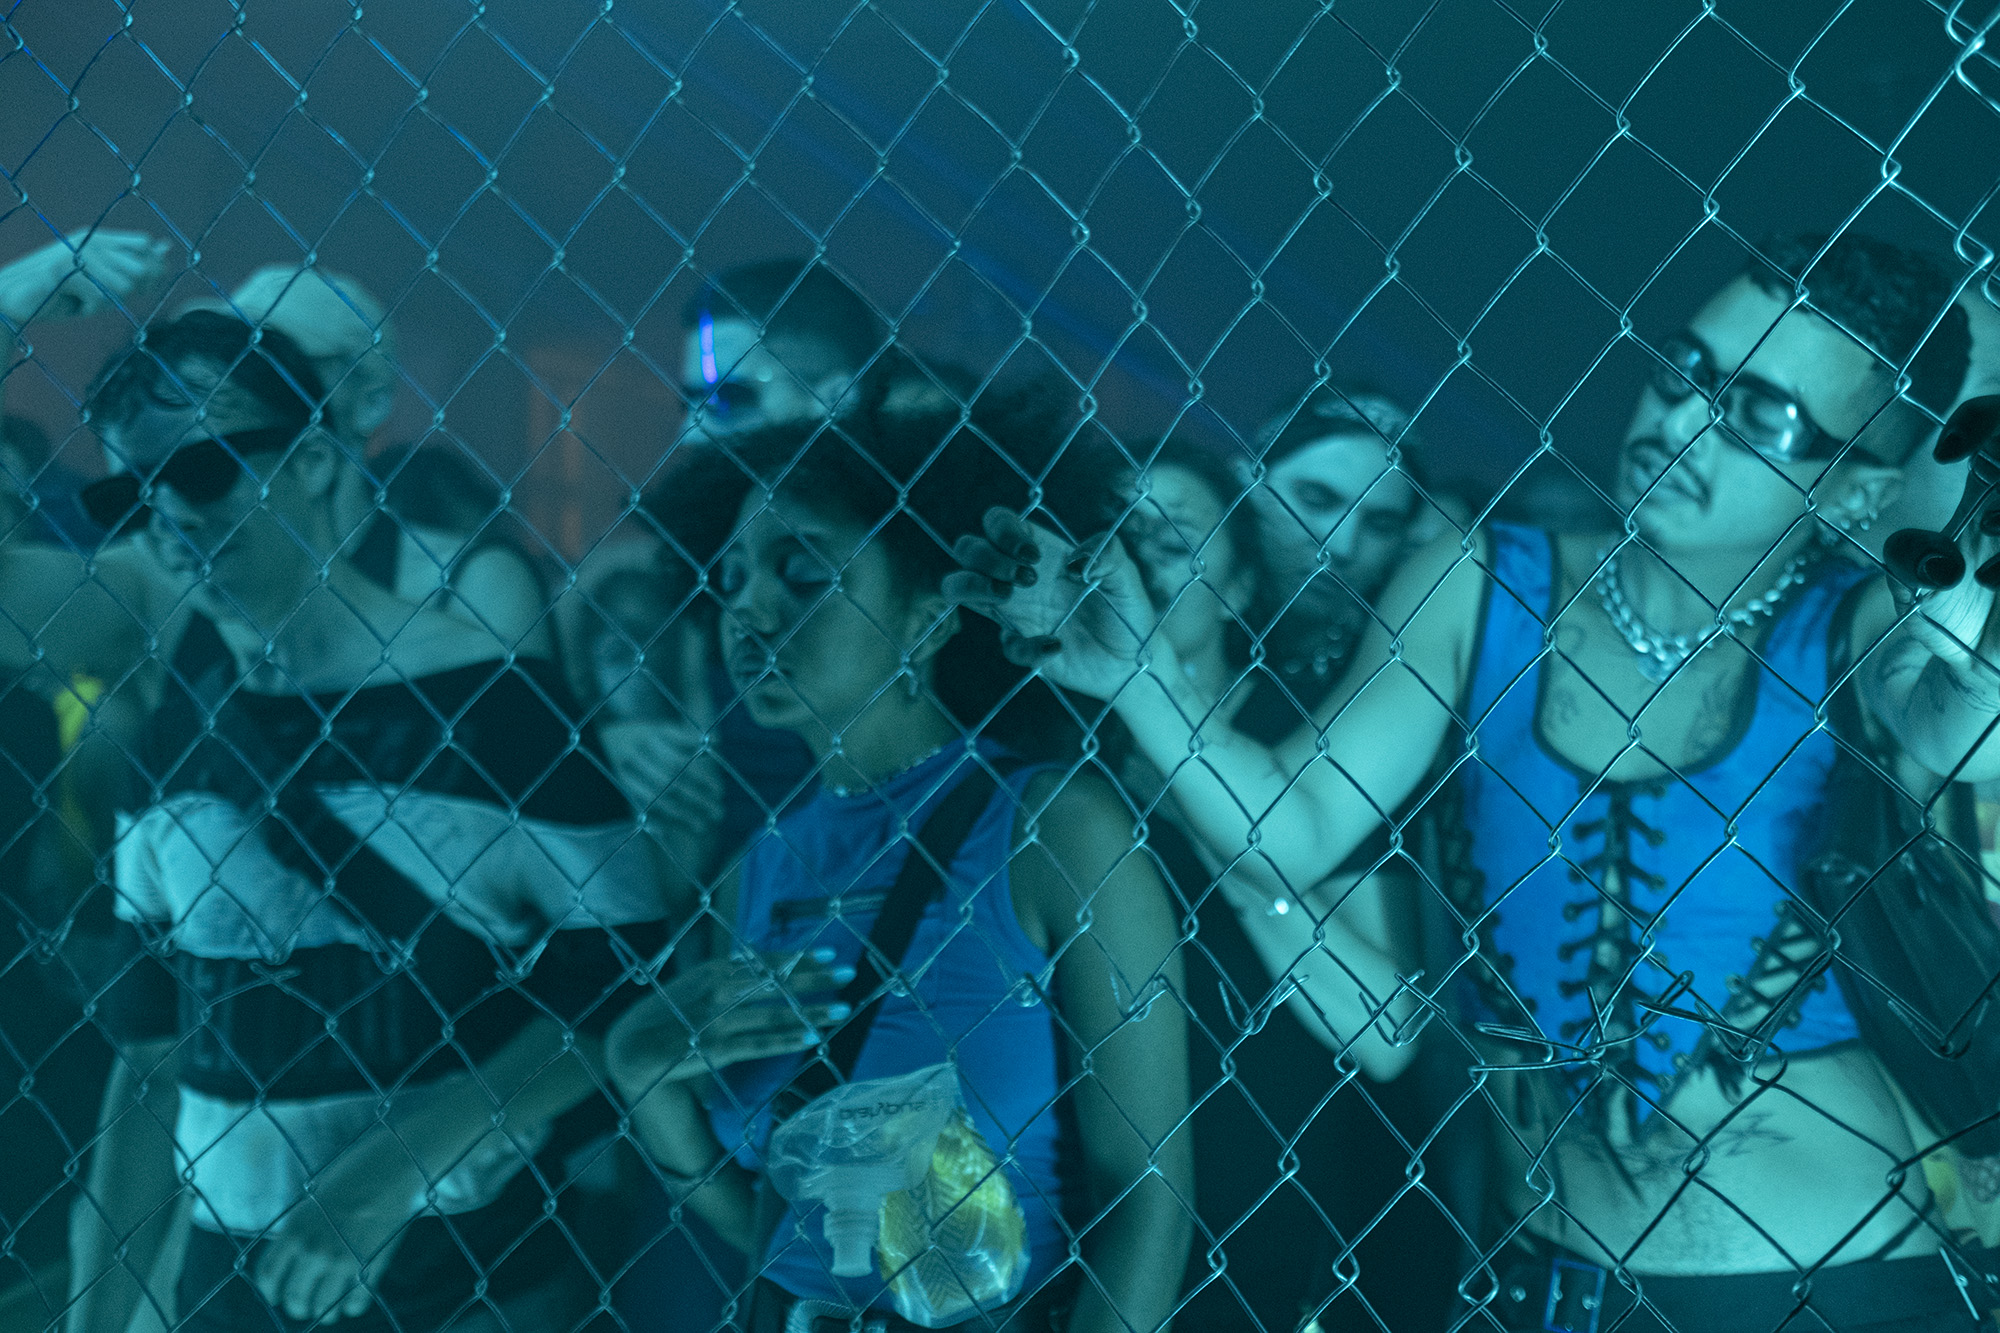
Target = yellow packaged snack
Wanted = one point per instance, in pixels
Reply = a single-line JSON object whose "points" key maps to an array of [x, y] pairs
{"points": [[956, 1242]]}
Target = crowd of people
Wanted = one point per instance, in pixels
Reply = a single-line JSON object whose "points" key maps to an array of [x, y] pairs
{"points": [[471, 936]]}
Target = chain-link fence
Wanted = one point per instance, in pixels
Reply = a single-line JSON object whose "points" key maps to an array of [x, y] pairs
{"points": [[794, 667]]}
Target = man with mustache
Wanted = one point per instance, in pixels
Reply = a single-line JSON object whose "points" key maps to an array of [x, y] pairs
{"points": [[1688, 1119]]}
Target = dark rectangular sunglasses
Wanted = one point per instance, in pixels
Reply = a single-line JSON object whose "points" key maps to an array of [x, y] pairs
{"points": [[201, 473]]}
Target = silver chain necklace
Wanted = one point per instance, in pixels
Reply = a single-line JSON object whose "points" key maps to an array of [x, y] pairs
{"points": [[1660, 655]]}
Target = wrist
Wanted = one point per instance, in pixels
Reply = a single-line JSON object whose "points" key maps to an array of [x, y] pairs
{"points": [[1158, 698], [672, 1125], [680, 1180]]}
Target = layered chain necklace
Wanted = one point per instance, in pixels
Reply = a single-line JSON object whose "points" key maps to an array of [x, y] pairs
{"points": [[1660, 655]]}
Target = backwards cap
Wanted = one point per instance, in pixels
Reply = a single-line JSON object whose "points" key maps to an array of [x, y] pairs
{"points": [[336, 322]]}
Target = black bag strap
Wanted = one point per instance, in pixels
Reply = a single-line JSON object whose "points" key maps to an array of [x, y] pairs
{"points": [[933, 847]]}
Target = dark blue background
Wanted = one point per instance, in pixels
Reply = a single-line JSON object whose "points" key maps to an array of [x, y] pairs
{"points": [[1186, 216]]}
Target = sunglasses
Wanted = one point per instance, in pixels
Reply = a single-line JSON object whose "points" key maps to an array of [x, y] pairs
{"points": [[1764, 417], [201, 473]]}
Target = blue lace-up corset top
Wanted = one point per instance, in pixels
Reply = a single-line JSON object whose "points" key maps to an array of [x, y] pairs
{"points": [[1704, 858]]}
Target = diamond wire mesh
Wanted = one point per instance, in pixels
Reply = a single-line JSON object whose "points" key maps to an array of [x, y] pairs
{"points": [[1185, 220]]}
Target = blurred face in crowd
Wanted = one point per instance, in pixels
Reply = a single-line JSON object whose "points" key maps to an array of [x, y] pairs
{"points": [[1194, 573], [1336, 503], [624, 656], [238, 497], [817, 618], [736, 381], [1799, 389]]}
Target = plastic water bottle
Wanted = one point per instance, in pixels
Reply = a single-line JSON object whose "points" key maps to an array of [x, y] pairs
{"points": [[854, 1146]]}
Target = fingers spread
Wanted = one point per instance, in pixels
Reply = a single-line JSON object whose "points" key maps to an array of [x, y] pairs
{"points": [[357, 1302], [274, 1270], [813, 978], [758, 1031]]}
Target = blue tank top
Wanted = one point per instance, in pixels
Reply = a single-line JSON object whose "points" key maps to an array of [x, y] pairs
{"points": [[818, 880], [1707, 857]]}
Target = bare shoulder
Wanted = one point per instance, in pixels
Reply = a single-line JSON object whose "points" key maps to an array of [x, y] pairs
{"points": [[1072, 806], [421, 641], [499, 561], [1440, 586], [1077, 846]]}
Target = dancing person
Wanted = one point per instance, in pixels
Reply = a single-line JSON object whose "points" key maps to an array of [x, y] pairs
{"points": [[439, 527], [61, 619], [432, 527], [1645, 783], [774, 342], [1039, 964], [1335, 512], [395, 893], [77, 635], [1275, 1182]]}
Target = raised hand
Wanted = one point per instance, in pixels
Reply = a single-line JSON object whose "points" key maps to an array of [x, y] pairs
{"points": [[1079, 614], [662, 769], [1955, 614], [82, 274], [723, 1012]]}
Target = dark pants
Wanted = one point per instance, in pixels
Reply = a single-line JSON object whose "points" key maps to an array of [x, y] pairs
{"points": [[1553, 1291]]}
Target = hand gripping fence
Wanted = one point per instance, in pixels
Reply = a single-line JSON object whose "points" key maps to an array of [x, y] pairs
{"points": [[1417, 574]]}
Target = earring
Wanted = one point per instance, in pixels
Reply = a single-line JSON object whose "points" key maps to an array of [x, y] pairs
{"points": [[911, 681]]}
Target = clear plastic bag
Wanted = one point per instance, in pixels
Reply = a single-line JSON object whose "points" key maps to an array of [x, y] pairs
{"points": [[955, 1242], [901, 1170]]}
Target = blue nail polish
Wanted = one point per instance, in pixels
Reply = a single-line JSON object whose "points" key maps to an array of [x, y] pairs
{"points": [[811, 1037], [842, 975], [824, 954], [838, 1010]]}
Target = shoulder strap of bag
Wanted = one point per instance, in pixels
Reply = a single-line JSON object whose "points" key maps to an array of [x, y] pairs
{"points": [[933, 847]]}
